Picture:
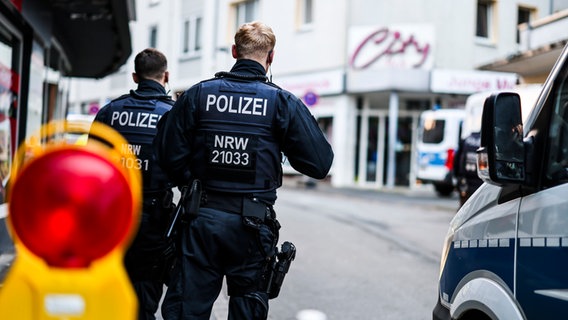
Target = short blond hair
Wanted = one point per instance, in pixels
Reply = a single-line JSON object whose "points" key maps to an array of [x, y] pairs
{"points": [[254, 40]]}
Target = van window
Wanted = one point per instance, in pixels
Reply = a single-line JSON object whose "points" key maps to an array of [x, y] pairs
{"points": [[433, 130], [557, 169]]}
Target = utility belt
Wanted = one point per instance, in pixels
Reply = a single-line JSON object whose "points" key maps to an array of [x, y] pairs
{"points": [[163, 198], [253, 210], [256, 214]]}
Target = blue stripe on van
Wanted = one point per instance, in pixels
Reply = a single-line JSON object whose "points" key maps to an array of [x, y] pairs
{"points": [[432, 158], [462, 260], [544, 269], [541, 271]]}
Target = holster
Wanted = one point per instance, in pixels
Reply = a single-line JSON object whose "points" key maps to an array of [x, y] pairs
{"points": [[193, 203], [187, 207], [278, 267]]}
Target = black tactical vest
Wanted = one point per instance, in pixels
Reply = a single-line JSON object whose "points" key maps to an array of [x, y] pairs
{"points": [[234, 148], [136, 118]]}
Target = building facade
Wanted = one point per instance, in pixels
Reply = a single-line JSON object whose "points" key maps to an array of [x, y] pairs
{"points": [[365, 68]]}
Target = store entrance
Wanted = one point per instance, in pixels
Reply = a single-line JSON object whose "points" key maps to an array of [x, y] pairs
{"points": [[373, 165], [403, 151]]}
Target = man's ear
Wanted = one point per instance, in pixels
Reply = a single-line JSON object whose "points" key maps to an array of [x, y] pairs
{"points": [[166, 77], [234, 51], [270, 57], [135, 77]]}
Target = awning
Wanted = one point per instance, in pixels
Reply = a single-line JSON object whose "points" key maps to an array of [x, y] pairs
{"points": [[531, 63], [94, 34]]}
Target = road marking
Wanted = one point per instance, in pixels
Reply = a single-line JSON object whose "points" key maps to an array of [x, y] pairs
{"points": [[311, 314]]}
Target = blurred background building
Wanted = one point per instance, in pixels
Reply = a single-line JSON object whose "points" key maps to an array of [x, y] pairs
{"points": [[365, 68]]}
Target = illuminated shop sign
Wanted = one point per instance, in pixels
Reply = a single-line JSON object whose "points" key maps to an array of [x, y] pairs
{"points": [[470, 81], [310, 86]]}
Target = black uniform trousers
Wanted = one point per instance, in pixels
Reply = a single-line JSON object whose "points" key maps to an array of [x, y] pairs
{"points": [[144, 260], [216, 244]]}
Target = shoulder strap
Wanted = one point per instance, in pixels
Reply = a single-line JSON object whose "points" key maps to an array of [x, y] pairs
{"points": [[124, 96], [233, 75], [162, 97], [239, 76]]}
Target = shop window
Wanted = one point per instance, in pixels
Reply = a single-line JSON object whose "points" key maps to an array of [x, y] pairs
{"points": [[9, 92], [35, 111]]}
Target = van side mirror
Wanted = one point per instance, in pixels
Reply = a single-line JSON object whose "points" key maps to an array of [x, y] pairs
{"points": [[501, 156]]}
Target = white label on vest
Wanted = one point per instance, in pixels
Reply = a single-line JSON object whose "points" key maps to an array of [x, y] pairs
{"points": [[135, 119], [133, 162], [131, 148], [230, 142], [238, 104], [231, 150]]}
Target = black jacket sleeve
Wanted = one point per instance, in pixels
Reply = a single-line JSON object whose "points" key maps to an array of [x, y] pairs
{"points": [[172, 144], [303, 142], [102, 117]]}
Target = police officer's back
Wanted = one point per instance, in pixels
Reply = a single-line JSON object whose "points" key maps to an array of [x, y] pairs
{"points": [[135, 116], [230, 132]]}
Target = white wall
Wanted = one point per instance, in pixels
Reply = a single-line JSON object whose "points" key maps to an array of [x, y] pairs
{"points": [[317, 50], [455, 22], [318, 47], [301, 49], [344, 140]]}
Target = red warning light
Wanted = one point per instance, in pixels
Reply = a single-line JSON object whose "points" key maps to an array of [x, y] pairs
{"points": [[70, 207]]}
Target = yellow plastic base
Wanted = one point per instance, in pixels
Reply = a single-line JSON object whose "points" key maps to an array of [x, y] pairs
{"points": [[35, 291]]}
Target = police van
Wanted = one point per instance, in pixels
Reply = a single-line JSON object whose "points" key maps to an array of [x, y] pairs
{"points": [[438, 139], [506, 252]]}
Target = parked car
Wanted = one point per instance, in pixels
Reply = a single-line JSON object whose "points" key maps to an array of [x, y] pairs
{"points": [[506, 251], [80, 137], [438, 139]]}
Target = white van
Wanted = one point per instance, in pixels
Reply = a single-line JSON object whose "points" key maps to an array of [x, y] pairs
{"points": [[466, 165], [438, 139], [506, 252], [474, 105]]}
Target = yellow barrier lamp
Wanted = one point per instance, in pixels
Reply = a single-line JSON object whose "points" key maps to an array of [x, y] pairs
{"points": [[73, 211]]}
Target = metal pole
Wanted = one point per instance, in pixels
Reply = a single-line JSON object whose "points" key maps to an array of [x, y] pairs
{"points": [[393, 129]]}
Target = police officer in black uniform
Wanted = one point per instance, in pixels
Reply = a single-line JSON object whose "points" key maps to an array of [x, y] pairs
{"points": [[135, 116], [465, 166], [229, 133]]}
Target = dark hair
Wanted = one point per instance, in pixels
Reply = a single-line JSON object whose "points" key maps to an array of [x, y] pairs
{"points": [[150, 64]]}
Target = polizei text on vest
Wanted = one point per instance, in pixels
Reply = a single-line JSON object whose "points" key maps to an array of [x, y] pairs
{"points": [[135, 119], [242, 105]]}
